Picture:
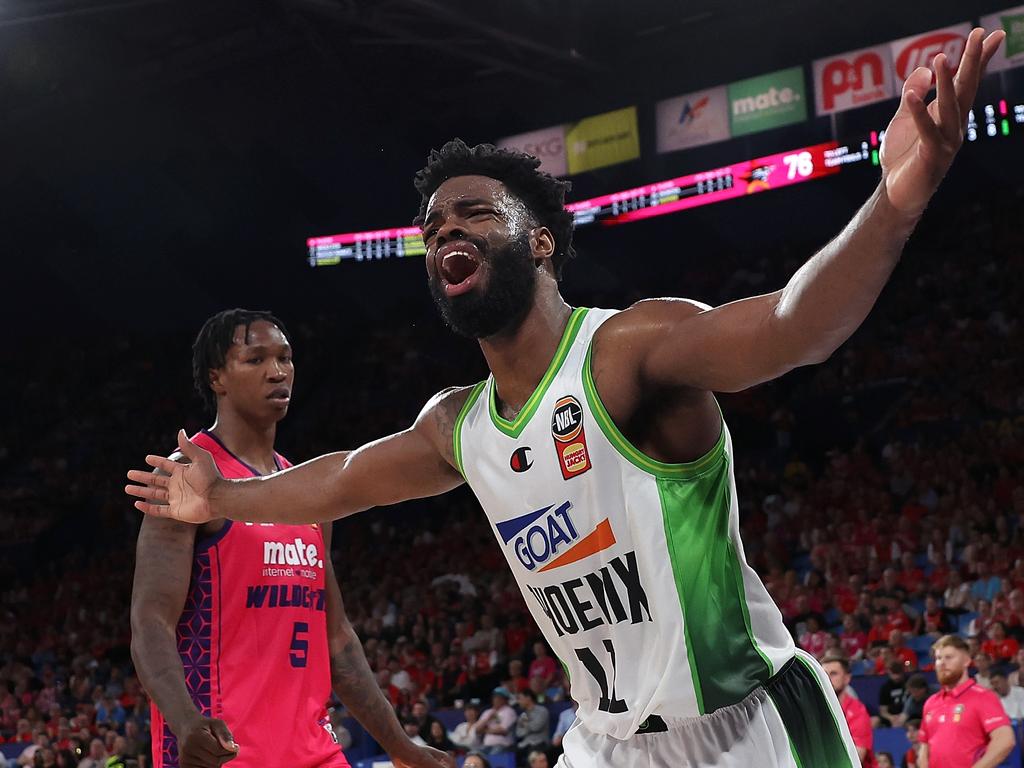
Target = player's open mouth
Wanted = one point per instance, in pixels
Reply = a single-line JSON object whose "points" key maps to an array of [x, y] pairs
{"points": [[458, 266], [280, 396]]}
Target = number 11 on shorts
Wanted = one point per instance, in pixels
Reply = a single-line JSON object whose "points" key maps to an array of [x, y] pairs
{"points": [[609, 701]]}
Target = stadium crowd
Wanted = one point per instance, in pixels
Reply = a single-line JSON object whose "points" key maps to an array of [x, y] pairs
{"points": [[882, 501]]}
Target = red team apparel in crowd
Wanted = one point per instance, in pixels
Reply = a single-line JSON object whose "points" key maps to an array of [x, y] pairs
{"points": [[957, 723], [859, 720], [253, 639]]}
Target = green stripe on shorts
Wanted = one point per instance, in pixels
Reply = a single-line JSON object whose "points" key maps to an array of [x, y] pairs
{"points": [[814, 735]]}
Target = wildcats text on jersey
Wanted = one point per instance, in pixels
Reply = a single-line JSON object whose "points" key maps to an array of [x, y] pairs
{"points": [[285, 596]]}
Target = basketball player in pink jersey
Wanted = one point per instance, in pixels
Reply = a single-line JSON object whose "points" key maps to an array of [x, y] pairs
{"points": [[238, 629]]}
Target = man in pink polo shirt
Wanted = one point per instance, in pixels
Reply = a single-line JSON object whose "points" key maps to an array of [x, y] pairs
{"points": [[964, 724], [838, 670]]}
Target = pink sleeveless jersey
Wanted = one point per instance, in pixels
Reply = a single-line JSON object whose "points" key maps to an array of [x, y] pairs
{"points": [[253, 639]]}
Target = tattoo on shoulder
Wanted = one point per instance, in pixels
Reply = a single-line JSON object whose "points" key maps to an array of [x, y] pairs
{"points": [[446, 410]]}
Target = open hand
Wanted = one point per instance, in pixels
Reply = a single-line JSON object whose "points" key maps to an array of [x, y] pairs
{"points": [[921, 141], [175, 490]]}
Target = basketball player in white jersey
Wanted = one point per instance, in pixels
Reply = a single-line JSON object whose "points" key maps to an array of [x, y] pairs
{"points": [[602, 460]]}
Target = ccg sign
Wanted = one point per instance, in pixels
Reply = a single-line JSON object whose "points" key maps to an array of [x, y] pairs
{"points": [[1011, 52], [852, 80], [693, 119], [918, 50], [547, 145]]}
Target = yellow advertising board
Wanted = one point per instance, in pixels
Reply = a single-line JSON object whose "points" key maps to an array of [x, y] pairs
{"points": [[601, 140]]}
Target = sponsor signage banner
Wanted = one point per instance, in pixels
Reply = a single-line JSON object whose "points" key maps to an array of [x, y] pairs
{"points": [[694, 119], [768, 101], [918, 50], [602, 140], [1011, 52], [853, 79], [546, 144]]}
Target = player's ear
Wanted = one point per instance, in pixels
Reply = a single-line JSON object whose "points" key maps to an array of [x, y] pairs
{"points": [[216, 384], [542, 244]]}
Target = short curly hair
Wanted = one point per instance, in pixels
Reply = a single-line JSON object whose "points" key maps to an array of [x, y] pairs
{"points": [[542, 193]]}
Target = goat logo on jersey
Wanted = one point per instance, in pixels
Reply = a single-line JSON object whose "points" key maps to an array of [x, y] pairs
{"points": [[570, 437], [547, 538]]}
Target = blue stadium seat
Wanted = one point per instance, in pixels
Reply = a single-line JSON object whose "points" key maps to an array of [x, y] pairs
{"points": [[920, 644], [963, 621]]}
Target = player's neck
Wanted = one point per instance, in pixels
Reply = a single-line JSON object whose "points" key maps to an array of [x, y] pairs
{"points": [[252, 443], [520, 359]]}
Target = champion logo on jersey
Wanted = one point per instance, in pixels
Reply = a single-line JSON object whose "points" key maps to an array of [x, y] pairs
{"points": [[547, 538], [520, 460], [570, 438]]}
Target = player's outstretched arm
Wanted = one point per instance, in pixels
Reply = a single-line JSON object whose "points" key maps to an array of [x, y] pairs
{"points": [[411, 464], [743, 343]]}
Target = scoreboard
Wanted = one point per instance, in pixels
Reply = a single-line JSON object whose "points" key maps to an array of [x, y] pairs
{"points": [[750, 177]]}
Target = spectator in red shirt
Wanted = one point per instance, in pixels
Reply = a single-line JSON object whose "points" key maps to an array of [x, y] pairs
{"points": [[910, 757], [516, 636], [814, 639], [543, 665], [900, 653], [890, 589], [979, 624], [1013, 616], [878, 634], [964, 724], [898, 619], [938, 579], [933, 620], [999, 646], [854, 640], [910, 577], [838, 670], [517, 682]]}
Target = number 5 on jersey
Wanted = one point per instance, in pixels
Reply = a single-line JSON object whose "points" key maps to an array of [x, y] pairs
{"points": [[299, 648]]}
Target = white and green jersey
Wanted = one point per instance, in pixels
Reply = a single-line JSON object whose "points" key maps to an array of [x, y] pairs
{"points": [[632, 568]]}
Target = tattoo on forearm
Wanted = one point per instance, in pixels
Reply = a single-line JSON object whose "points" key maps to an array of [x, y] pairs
{"points": [[356, 686]]}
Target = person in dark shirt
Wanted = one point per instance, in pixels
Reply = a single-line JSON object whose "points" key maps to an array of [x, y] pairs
{"points": [[890, 698], [917, 694]]}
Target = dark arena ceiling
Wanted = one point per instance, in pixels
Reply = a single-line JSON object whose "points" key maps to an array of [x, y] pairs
{"points": [[142, 138]]}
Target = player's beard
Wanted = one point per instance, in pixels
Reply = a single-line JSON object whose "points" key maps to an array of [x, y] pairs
{"points": [[502, 304]]}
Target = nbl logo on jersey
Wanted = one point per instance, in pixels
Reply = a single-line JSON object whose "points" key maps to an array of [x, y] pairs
{"points": [[570, 437]]}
